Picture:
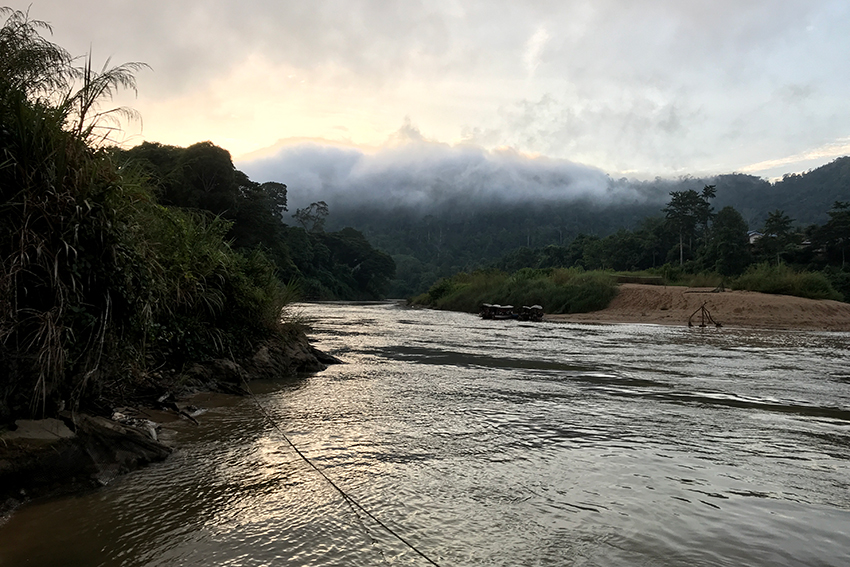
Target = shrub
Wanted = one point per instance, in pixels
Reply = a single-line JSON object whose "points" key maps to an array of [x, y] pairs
{"points": [[704, 279], [96, 279], [569, 290], [840, 280], [783, 280]]}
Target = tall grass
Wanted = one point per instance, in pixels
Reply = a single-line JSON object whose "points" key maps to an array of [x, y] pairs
{"points": [[198, 297], [97, 281], [783, 280], [565, 290]]}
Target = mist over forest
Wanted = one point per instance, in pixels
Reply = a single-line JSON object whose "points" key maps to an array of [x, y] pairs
{"points": [[440, 209], [419, 178], [425, 177]]}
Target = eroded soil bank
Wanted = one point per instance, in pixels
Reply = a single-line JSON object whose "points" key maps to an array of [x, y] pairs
{"points": [[74, 451]]}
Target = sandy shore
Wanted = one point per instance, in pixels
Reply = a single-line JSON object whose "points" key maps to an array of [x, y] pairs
{"points": [[670, 305]]}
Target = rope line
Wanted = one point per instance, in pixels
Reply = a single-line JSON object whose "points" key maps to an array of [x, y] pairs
{"points": [[351, 501]]}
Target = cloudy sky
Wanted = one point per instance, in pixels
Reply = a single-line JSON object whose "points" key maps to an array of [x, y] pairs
{"points": [[636, 88]]}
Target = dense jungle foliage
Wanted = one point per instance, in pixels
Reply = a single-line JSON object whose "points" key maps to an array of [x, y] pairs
{"points": [[692, 239], [715, 230], [323, 265], [117, 265], [697, 244], [100, 284]]}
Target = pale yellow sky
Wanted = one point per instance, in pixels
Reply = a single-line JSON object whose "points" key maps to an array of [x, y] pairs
{"points": [[656, 87]]}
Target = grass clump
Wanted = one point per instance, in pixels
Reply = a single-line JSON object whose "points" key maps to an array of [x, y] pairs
{"points": [[562, 290], [99, 283], [783, 280], [202, 299]]}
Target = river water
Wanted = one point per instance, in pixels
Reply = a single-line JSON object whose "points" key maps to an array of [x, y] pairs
{"points": [[493, 443]]}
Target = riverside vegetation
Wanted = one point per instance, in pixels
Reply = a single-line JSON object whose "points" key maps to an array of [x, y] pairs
{"points": [[667, 222], [121, 269], [562, 290], [574, 290], [706, 249]]}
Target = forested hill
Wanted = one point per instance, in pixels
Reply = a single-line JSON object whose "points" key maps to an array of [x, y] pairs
{"points": [[336, 265], [457, 233], [805, 197]]}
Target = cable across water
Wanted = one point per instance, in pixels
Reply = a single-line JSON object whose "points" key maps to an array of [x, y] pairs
{"points": [[351, 501]]}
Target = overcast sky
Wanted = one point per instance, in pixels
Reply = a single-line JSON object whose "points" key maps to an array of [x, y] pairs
{"points": [[636, 88]]}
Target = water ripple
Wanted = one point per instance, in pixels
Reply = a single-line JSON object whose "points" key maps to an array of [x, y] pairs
{"points": [[496, 444]]}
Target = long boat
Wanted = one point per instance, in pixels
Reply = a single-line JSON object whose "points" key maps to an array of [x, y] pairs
{"points": [[496, 311]]}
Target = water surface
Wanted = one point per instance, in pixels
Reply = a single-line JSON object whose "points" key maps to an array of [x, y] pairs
{"points": [[494, 443]]}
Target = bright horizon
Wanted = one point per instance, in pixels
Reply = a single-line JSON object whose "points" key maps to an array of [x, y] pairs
{"points": [[635, 89]]}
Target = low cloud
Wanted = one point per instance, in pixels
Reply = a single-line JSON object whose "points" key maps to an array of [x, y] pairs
{"points": [[426, 175]]}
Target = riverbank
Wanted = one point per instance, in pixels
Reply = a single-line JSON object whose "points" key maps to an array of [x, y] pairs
{"points": [[672, 305], [78, 451], [722, 448]]}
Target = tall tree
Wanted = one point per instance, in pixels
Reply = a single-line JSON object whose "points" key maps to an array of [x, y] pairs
{"points": [[836, 232], [778, 235], [312, 218], [705, 213], [728, 248], [685, 212]]}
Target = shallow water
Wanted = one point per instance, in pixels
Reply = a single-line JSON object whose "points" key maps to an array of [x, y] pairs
{"points": [[494, 443]]}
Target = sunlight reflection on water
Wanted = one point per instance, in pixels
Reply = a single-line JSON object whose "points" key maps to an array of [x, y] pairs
{"points": [[497, 443]]}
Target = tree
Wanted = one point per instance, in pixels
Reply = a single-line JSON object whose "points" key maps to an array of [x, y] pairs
{"points": [[202, 176], [836, 232], [655, 240], [728, 248], [312, 218], [704, 210], [553, 257], [622, 250], [685, 212], [207, 178], [370, 270], [276, 194], [778, 236]]}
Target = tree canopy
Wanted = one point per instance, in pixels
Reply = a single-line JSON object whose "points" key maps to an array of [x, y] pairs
{"points": [[688, 214], [99, 283], [202, 177]]}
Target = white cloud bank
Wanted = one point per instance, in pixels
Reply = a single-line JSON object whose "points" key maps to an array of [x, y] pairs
{"points": [[417, 173]]}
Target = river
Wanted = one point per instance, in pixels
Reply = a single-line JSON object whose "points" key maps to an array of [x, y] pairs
{"points": [[492, 443]]}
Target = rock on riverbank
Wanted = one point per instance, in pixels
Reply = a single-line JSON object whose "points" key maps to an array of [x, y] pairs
{"points": [[75, 451], [52, 456]]}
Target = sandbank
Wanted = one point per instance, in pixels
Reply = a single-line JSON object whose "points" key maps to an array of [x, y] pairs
{"points": [[673, 305]]}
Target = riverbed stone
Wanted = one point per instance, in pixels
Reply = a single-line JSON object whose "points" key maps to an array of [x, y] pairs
{"points": [[49, 429], [81, 451]]}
